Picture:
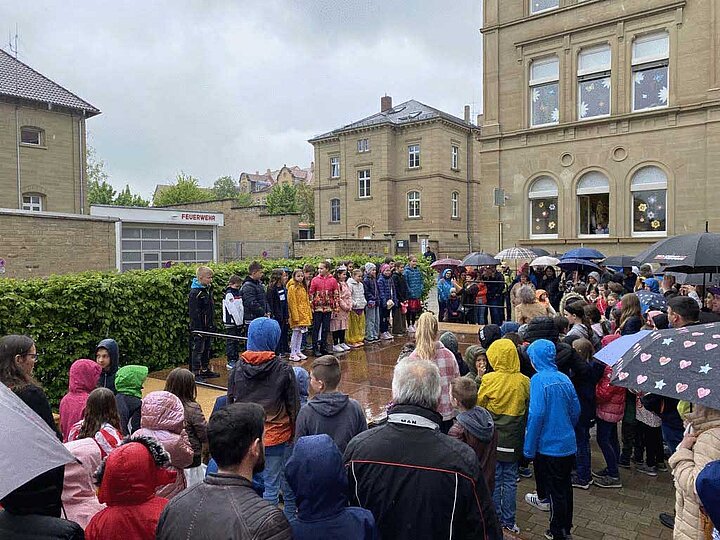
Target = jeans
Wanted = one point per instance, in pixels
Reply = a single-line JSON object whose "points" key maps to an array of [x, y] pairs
{"points": [[497, 313], [232, 346], [384, 319], [505, 490], [321, 328], [582, 457], [442, 309], [607, 439], [200, 353], [481, 315], [554, 483], [275, 481], [672, 436], [372, 323]]}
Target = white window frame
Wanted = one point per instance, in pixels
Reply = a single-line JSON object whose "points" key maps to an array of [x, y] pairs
{"points": [[363, 145], [594, 74], [40, 135], [335, 167], [533, 12], [580, 191], [544, 81], [413, 204], [644, 63], [413, 156], [32, 202], [547, 194], [455, 204], [335, 209], [454, 157], [647, 187], [364, 184]]}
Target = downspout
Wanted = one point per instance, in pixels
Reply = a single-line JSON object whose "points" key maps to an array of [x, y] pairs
{"points": [[17, 154], [81, 163], [468, 175]]}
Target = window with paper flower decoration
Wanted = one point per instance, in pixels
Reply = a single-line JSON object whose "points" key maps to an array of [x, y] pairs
{"points": [[543, 199], [594, 82], [650, 71], [545, 91], [649, 199]]}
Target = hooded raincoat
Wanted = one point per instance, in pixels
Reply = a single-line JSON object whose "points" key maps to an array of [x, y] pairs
{"points": [[79, 498], [299, 305], [554, 406], [84, 375], [316, 475], [129, 381], [107, 377], [504, 392], [477, 429], [334, 414]]}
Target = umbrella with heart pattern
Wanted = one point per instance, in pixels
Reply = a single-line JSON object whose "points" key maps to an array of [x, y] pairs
{"points": [[682, 363]]}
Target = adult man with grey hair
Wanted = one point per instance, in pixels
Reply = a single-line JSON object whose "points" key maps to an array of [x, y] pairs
{"points": [[418, 482]]}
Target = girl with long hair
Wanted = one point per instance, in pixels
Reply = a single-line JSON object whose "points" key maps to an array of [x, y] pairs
{"points": [[580, 324], [100, 422], [428, 347], [340, 317], [630, 315], [300, 313]]}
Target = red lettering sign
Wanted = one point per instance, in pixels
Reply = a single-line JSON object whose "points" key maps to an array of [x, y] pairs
{"points": [[197, 217]]}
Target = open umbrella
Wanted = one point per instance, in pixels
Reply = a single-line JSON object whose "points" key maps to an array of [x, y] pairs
{"points": [[679, 362], [540, 252], [698, 252], [582, 253], [28, 447], [443, 264], [620, 261], [479, 258], [684, 278], [578, 264], [516, 254], [613, 351], [545, 260], [650, 300]]}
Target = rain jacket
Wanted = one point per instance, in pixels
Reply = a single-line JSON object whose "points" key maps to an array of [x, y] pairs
{"points": [[686, 465], [414, 280], [357, 291], [277, 302], [107, 378], [340, 317], [129, 382], [83, 379], [316, 475], [299, 305], [233, 310], [263, 379], [610, 399], [370, 288], [554, 406], [401, 288], [504, 392], [386, 288], [334, 414], [200, 306], [253, 299], [131, 476], [79, 498], [707, 487], [196, 427], [163, 418], [444, 286], [477, 429], [324, 293]]}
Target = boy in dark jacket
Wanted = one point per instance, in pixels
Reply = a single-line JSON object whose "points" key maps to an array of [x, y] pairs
{"points": [[200, 304], [253, 294], [329, 411], [233, 318], [129, 382], [107, 355]]}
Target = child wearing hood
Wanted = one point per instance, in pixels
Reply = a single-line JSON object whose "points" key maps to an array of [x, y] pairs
{"points": [[129, 383], [451, 344], [330, 411], [475, 427], [550, 438], [504, 393], [444, 287], [79, 499], [317, 476], [107, 355], [83, 379]]}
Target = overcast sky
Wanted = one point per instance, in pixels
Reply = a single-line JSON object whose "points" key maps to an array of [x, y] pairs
{"points": [[218, 87]]}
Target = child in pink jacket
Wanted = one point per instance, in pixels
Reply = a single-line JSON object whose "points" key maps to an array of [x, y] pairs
{"points": [[83, 379]]}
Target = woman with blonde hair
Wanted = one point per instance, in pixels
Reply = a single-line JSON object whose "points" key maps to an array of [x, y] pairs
{"points": [[428, 347]]}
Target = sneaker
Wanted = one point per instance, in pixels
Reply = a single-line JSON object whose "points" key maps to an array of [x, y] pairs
{"points": [[608, 482], [337, 349], [645, 469], [230, 365], [358, 345], [525, 472], [512, 528], [386, 335], [624, 463], [294, 358], [199, 378], [668, 520], [533, 500], [662, 467], [600, 473], [411, 329], [577, 483], [548, 535], [345, 346], [208, 373]]}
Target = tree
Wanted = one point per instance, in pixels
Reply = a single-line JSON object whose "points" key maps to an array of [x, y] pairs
{"points": [[185, 189], [99, 189], [127, 198], [282, 199], [244, 199], [224, 188], [306, 202]]}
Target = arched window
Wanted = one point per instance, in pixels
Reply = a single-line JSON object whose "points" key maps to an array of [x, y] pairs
{"points": [[649, 198], [364, 232], [593, 193], [543, 195], [455, 204], [33, 202], [413, 204], [335, 210]]}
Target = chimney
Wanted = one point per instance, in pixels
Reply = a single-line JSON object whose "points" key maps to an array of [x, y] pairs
{"points": [[467, 114], [480, 119], [385, 103]]}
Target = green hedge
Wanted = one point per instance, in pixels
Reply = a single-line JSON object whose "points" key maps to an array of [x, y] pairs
{"points": [[144, 311]]}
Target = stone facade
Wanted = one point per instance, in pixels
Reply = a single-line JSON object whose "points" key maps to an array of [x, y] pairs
{"points": [[434, 199], [55, 244], [340, 248], [627, 95]]}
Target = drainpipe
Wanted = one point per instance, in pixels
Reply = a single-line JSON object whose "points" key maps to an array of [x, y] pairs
{"points": [[17, 155], [81, 137]]}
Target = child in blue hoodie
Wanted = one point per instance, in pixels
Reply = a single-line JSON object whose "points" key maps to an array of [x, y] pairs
{"points": [[317, 476], [550, 436]]}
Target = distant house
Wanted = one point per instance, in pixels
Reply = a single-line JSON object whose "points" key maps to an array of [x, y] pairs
{"points": [[42, 141], [259, 185]]}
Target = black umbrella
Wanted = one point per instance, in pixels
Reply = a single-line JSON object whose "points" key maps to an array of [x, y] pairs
{"points": [[680, 363], [479, 258], [693, 279], [540, 252], [698, 252], [620, 261], [578, 264]]}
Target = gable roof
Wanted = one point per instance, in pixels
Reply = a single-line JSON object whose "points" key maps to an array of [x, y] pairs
{"points": [[406, 113], [21, 81]]}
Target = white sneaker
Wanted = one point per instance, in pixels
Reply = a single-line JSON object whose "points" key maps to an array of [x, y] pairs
{"points": [[385, 335], [533, 500], [345, 346], [294, 358], [301, 356], [338, 349], [411, 329]]}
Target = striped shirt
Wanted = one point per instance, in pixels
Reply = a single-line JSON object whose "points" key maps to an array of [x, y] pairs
{"points": [[107, 438]]}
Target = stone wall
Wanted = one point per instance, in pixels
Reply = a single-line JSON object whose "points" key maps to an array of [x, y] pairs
{"points": [[340, 247], [41, 244]]}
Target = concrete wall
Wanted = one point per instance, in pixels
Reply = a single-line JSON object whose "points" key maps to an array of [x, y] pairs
{"points": [[38, 244]]}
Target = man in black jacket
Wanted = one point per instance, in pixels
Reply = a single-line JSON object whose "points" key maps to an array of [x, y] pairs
{"points": [[229, 506], [418, 482], [253, 294], [200, 304]]}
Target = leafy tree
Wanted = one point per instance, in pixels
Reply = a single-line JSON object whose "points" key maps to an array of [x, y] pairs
{"points": [[99, 189], [282, 199], [224, 188], [306, 202], [244, 199], [185, 189], [127, 198]]}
